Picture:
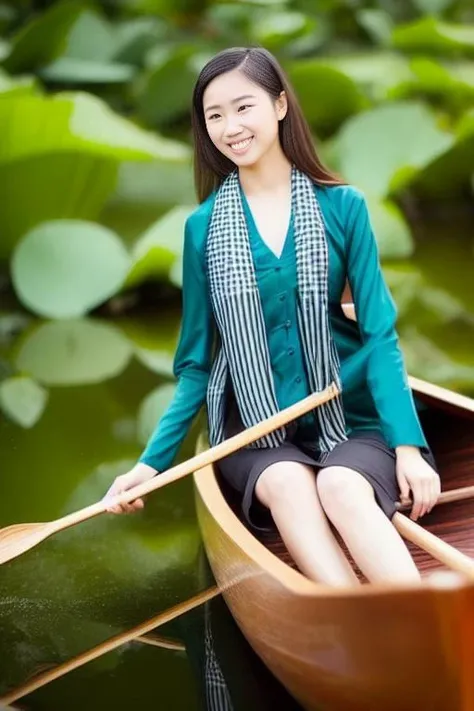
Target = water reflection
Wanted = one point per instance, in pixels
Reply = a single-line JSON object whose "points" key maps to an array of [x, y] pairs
{"points": [[229, 675]]}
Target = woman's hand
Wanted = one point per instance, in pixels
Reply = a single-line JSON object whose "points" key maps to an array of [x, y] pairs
{"points": [[415, 474], [140, 473]]}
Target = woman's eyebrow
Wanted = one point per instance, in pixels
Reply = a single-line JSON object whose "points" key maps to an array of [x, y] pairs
{"points": [[234, 101]]}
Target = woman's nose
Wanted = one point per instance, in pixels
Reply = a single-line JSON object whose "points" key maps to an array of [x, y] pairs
{"points": [[232, 128]]}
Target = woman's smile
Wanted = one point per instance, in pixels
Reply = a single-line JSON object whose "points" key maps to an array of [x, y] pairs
{"points": [[240, 147]]}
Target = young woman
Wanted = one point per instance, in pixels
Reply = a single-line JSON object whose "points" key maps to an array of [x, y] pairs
{"points": [[267, 255]]}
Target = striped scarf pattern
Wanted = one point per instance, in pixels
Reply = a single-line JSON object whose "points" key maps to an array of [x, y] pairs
{"points": [[243, 352]]}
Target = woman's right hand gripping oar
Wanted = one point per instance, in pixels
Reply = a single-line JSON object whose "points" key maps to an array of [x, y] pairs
{"points": [[140, 473]]}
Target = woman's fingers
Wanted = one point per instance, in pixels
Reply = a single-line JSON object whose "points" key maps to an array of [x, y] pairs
{"points": [[435, 491], [120, 487], [426, 492], [417, 507]]}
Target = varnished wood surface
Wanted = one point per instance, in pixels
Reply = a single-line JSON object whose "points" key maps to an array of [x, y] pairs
{"points": [[371, 648]]}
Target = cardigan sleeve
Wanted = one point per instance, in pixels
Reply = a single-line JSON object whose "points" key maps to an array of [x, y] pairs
{"points": [[376, 317], [192, 362]]}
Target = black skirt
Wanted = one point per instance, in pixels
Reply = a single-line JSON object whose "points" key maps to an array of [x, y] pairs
{"points": [[365, 452]]}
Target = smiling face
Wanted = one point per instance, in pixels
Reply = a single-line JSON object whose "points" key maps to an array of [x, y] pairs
{"points": [[242, 118]]}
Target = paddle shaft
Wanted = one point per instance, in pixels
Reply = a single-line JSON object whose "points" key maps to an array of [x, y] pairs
{"points": [[439, 549], [447, 497], [109, 645], [204, 459]]}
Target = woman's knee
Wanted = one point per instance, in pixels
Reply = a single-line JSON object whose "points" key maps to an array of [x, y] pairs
{"points": [[342, 490], [283, 481]]}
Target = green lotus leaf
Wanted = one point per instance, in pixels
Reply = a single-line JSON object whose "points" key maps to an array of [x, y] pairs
{"points": [[22, 400], [65, 268], [73, 122], [159, 247], [61, 158], [327, 96], [164, 93], [377, 23], [377, 73], [383, 149], [429, 34], [73, 70], [154, 341], [152, 409], [74, 352], [92, 37], [450, 173], [17, 85], [159, 182], [135, 37], [276, 29], [43, 38], [391, 229], [432, 7], [5, 49]]}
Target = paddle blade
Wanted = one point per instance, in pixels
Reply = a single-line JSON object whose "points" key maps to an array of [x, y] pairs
{"points": [[17, 539]]}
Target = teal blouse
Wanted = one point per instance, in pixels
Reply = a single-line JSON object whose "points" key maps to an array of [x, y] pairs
{"points": [[382, 399]]}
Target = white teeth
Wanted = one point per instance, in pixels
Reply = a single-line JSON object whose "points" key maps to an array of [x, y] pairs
{"points": [[240, 145]]}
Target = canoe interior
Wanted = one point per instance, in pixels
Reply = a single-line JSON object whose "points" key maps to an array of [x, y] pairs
{"points": [[450, 434]]}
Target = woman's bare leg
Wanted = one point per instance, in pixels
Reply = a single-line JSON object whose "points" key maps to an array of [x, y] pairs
{"points": [[288, 489], [377, 547]]}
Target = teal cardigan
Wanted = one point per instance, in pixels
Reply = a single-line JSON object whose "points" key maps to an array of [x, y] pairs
{"points": [[382, 400]]}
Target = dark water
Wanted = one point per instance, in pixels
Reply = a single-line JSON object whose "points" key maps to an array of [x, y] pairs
{"points": [[104, 576], [88, 583]]}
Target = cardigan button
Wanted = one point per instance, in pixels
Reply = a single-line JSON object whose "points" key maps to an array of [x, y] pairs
{"points": [[291, 351], [298, 379]]}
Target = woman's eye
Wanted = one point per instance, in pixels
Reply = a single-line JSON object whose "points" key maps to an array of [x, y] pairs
{"points": [[212, 116], [244, 106]]}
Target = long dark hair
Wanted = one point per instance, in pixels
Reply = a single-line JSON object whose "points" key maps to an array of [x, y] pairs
{"points": [[261, 67]]}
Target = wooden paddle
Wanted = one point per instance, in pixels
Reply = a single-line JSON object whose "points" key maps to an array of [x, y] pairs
{"points": [[436, 547], [447, 497], [46, 677], [19, 538]]}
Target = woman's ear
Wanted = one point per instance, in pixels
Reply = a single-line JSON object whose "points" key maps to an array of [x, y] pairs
{"points": [[281, 106]]}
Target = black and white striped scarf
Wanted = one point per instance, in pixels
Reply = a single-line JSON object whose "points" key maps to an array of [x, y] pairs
{"points": [[243, 352]]}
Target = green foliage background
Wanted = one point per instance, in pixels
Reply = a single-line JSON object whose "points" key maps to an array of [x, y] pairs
{"points": [[96, 178]]}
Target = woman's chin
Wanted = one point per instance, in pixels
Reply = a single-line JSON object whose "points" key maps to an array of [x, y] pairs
{"points": [[245, 161]]}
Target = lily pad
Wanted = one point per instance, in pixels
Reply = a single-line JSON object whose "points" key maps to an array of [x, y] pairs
{"points": [[382, 150], [75, 352], [156, 251], [65, 268], [22, 400], [154, 341], [152, 409]]}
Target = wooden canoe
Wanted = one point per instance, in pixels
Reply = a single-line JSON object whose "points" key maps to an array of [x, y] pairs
{"points": [[371, 647]]}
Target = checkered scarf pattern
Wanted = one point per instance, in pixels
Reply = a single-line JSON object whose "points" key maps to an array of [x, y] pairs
{"points": [[243, 352]]}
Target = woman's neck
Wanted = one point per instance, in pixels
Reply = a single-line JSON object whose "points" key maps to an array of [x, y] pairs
{"points": [[272, 172]]}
